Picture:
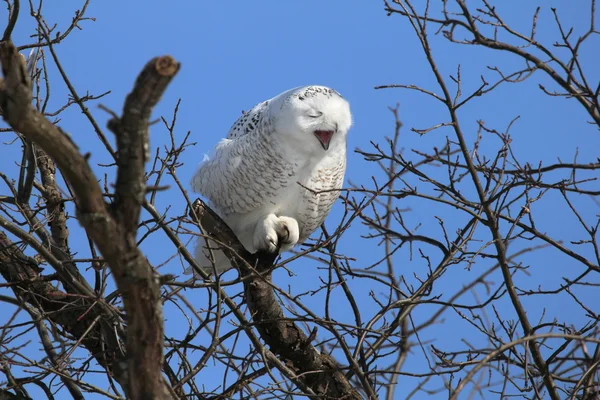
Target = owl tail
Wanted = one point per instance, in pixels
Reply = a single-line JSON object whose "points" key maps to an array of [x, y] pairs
{"points": [[209, 258]]}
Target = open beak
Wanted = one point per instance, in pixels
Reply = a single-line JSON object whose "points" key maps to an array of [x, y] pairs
{"points": [[324, 137]]}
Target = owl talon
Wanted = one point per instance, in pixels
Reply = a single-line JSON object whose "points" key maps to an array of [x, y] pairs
{"points": [[285, 237], [273, 229], [289, 232], [265, 236]]}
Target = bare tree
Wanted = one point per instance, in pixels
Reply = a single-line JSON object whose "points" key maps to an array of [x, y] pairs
{"points": [[97, 309]]}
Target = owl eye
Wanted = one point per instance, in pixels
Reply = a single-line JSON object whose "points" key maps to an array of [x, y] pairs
{"points": [[315, 114]]}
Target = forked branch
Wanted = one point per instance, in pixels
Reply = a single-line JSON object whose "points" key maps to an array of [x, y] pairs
{"points": [[112, 232]]}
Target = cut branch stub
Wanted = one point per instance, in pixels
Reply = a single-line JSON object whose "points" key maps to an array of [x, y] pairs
{"points": [[113, 233], [131, 131]]}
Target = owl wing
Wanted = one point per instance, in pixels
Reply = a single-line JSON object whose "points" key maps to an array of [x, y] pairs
{"points": [[249, 121], [245, 172]]}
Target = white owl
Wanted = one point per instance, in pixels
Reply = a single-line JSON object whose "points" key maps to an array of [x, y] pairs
{"points": [[255, 178]]}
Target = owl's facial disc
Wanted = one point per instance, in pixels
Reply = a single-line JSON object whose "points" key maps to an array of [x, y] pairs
{"points": [[324, 137]]}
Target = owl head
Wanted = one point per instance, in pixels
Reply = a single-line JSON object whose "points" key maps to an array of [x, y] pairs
{"points": [[314, 117]]}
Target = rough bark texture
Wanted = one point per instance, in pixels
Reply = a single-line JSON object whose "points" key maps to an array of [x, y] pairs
{"points": [[112, 230], [318, 371]]}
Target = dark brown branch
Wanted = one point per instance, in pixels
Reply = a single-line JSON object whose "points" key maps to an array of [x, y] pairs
{"points": [[133, 141], [12, 20], [134, 276], [46, 31], [492, 221], [51, 353], [61, 309], [54, 202], [318, 371], [574, 91]]}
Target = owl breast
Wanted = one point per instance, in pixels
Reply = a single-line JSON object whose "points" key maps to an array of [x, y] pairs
{"points": [[310, 200]]}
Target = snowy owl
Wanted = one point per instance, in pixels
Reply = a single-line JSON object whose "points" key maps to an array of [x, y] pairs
{"points": [[255, 178]]}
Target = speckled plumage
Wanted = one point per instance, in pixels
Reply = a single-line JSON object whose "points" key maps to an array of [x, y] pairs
{"points": [[254, 179]]}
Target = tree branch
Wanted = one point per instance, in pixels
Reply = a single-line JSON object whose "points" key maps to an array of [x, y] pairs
{"points": [[114, 237], [318, 371], [133, 141]]}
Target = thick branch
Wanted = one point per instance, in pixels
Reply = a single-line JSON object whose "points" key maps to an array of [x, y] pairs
{"points": [[74, 314], [133, 141], [134, 276], [12, 19], [318, 371]]}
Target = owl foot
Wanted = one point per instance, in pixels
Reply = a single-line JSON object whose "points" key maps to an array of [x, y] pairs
{"points": [[269, 231], [289, 233]]}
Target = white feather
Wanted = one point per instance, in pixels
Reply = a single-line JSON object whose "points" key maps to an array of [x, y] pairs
{"points": [[254, 179]]}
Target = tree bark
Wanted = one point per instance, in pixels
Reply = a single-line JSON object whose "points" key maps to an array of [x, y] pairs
{"points": [[318, 371], [113, 230]]}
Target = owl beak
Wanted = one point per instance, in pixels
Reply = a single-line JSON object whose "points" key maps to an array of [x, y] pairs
{"points": [[324, 137]]}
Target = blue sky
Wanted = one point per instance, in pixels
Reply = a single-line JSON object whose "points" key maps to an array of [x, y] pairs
{"points": [[235, 54]]}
